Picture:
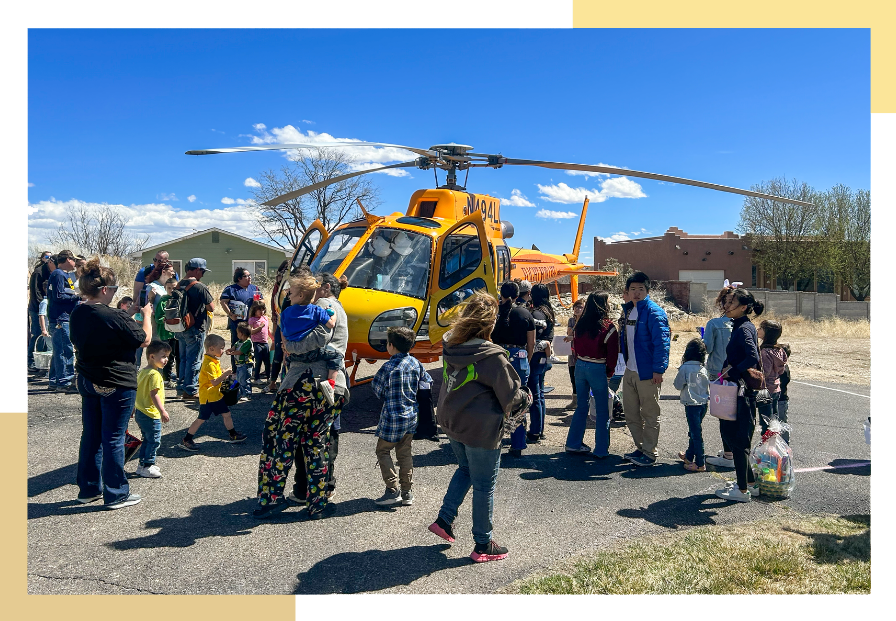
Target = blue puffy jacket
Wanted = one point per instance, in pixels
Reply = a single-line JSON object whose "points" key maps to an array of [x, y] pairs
{"points": [[651, 338]]}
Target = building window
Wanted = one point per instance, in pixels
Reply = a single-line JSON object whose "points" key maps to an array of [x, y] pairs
{"points": [[216, 237], [825, 281], [178, 267], [805, 282], [256, 268]]}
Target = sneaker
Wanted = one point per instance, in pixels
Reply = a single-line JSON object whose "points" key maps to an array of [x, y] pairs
{"points": [[719, 461], [491, 551], [237, 437], [391, 497], [584, 448], [753, 489], [243, 399], [515, 452], [632, 455], [170, 385], [533, 438], [188, 397], [555, 359], [407, 498], [269, 510], [443, 529], [178, 394], [131, 499], [85, 501], [432, 438], [321, 514], [329, 391], [149, 472], [643, 460], [69, 389], [188, 445], [733, 493]]}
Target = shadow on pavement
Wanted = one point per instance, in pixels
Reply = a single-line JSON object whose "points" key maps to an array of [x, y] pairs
{"points": [[37, 510], [41, 483], [855, 467], [675, 512], [440, 455], [562, 466], [375, 570]]}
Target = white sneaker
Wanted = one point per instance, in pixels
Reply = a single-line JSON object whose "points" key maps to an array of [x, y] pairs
{"points": [[149, 472], [733, 493], [329, 392], [753, 489], [132, 499], [720, 461]]}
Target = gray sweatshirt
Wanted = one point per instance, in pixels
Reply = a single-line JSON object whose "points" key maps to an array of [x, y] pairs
{"points": [[319, 337], [693, 382]]}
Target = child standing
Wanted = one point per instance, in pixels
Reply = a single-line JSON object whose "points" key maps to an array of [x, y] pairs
{"points": [[258, 326], [243, 351], [166, 336], [693, 382], [301, 317], [125, 303], [150, 412], [211, 401], [397, 383], [783, 401], [773, 358]]}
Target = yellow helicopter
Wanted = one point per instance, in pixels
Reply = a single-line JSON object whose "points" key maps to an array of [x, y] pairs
{"points": [[413, 269]]}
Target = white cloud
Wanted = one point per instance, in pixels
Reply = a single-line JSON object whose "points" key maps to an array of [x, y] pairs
{"points": [[251, 183], [517, 200], [30, 185], [588, 173], [236, 201], [192, 198], [361, 154], [615, 237], [217, 131], [306, 121], [555, 215], [615, 187], [166, 197], [160, 220], [392, 172]]}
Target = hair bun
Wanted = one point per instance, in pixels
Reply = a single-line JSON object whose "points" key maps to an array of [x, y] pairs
{"points": [[343, 282], [758, 307]]}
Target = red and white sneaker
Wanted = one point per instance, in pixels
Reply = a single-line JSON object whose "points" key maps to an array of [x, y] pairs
{"points": [[491, 551], [328, 388]]}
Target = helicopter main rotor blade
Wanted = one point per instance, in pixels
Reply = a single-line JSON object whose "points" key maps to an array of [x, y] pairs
{"points": [[612, 170], [321, 145], [322, 184]]}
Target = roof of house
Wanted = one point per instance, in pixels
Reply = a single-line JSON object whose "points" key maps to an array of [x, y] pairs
{"points": [[139, 253]]}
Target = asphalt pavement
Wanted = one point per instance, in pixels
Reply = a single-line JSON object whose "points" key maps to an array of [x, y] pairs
{"points": [[193, 532]]}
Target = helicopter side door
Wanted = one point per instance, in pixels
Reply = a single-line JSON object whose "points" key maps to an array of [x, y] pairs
{"points": [[314, 237], [462, 266]]}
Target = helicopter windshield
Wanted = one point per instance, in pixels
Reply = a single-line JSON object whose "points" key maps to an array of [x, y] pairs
{"points": [[393, 260], [336, 248]]}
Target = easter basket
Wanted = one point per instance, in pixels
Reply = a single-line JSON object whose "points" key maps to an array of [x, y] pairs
{"points": [[772, 462]]}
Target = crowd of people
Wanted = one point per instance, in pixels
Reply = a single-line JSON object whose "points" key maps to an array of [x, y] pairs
{"points": [[495, 357]]}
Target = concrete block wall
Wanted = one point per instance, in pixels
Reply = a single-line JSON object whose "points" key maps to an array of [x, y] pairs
{"points": [[811, 305], [854, 310]]}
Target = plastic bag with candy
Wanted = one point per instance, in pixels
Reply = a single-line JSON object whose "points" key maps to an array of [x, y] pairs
{"points": [[772, 462]]}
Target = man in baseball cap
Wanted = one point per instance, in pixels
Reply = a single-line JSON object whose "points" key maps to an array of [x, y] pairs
{"points": [[191, 341]]}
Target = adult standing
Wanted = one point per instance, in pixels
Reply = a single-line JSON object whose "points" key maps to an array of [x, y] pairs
{"points": [[278, 298], [107, 380], [515, 331], [578, 308], [716, 335], [596, 340], [300, 414], [36, 293], [742, 354], [236, 299], [62, 300], [543, 315], [191, 342], [645, 346], [146, 275]]}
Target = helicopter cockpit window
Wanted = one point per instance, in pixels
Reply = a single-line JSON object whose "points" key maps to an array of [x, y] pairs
{"points": [[394, 261], [336, 249], [307, 249], [461, 255]]}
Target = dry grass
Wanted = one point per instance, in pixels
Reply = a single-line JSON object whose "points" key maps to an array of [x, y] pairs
{"points": [[821, 554]]}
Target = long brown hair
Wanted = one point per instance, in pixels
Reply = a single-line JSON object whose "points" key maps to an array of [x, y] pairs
{"points": [[477, 319], [596, 315]]}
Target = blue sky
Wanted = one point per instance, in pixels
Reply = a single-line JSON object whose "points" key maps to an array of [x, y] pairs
{"points": [[112, 111]]}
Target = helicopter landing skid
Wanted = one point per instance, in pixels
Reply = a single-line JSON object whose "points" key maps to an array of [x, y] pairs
{"points": [[352, 380]]}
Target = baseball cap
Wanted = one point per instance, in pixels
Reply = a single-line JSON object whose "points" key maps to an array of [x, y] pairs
{"points": [[62, 255], [196, 263]]}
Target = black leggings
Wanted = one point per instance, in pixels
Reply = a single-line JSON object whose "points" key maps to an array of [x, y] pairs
{"points": [[572, 378], [278, 356], [738, 434], [262, 354], [172, 360]]}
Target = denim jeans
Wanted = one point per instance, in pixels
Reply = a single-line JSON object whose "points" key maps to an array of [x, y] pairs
{"points": [[151, 428], [521, 366], [782, 414], [476, 468], [62, 371], [774, 409], [34, 334], [536, 385], [243, 371], [695, 414], [104, 420], [190, 347], [591, 376]]}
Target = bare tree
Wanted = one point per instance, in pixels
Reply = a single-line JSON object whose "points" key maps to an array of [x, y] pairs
{"points": [[845, 225], [285, 224], [783, 236], [98, 231]]}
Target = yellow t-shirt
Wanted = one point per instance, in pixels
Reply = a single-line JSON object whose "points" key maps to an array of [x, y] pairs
{"points": [[211, 368], [148, 380]]}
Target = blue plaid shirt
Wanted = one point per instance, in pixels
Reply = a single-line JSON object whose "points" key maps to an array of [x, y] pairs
{"points": [[396, 383]]}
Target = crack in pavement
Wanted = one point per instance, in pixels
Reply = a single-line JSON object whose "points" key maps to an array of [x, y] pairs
{"points": [[121, 586]]}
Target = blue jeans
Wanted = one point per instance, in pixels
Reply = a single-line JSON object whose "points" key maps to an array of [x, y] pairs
{"points": [[776, 410], [521, 366], [34, 334], [243, 371], [190, 349], [782, 414], [536, 385], [695, 414], [476, 468], [151, 428], [62, 371], [591, 376], [104, 420]]}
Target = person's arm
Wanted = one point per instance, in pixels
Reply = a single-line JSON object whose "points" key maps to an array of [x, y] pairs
{"points": [[43, 325], [147, 324], [225, 296], [612, 344], [316, 339], [157, 401], [658, 325], [259, 326], [379, 382], [751, 354], [681, 379], [530, 343], [216, 381], [61, 289], [709, 340]]}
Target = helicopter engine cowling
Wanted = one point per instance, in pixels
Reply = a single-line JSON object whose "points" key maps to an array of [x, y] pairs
{"points": [[506, 229]]}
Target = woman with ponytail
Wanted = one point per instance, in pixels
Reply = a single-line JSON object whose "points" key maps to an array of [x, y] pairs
{"points": [[107, 340], [742, 355], [544, 318]]}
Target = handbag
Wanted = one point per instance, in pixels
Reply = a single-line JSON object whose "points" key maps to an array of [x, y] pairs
{"points": [[131, 445], [762, 396], [723, 401]]}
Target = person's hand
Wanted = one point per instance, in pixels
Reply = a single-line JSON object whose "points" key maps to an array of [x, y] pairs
{"points": [[165, 417], [549, 350], [147, 310], [657, 378], [45, 333], [567, 339], [227, 373]]}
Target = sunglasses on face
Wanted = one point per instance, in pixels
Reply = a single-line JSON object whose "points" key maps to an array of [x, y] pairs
{"points": [[111, 287]]}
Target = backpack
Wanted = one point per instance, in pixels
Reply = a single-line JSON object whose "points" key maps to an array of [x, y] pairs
{"points": [[177, 319]]}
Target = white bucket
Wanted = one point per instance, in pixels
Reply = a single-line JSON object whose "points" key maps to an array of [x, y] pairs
{"points": [[42, 358]]}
